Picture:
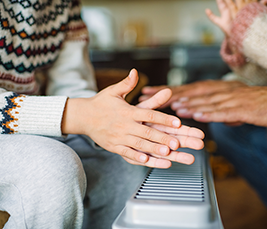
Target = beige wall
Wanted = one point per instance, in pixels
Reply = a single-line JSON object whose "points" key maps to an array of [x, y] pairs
{"points": [[166, 20]]}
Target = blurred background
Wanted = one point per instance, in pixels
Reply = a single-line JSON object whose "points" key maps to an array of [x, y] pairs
{"points": [[171, 42]]}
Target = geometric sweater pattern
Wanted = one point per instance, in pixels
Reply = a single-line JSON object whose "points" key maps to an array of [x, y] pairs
{"points": [[31, 36]]}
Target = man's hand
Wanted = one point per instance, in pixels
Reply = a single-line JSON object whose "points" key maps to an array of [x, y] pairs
{"points": [[242, 105], [228, 10], [118, 127], [184, 92], [192, 94]]}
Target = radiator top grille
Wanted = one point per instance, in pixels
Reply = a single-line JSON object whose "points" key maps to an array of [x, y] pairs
{"points": [[180, 182]]}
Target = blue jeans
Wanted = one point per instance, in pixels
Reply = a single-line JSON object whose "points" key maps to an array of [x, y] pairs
{"points": [[246, 148]]}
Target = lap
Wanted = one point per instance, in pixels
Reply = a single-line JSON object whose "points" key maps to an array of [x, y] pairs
{"points": [[107, 173]]}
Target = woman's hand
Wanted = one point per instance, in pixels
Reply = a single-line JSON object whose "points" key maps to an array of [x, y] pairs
{"points": [[118, 127], [228, 10]]}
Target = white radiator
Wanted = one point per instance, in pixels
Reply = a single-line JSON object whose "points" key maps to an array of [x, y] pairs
{"points": [[181, 197]]}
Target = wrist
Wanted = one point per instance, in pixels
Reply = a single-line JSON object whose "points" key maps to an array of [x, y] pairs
{"points": [[72, 120]]}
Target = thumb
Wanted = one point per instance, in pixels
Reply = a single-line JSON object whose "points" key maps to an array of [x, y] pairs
{"points": [[157, 100], [127, 85]]}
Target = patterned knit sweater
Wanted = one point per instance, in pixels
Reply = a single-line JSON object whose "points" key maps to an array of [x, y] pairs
{"points": [[45, 40], [249, 35]]}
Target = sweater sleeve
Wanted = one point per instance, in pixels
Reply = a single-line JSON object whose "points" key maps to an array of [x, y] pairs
{"points": [[72, 73], [39, 115], [249, 36]]}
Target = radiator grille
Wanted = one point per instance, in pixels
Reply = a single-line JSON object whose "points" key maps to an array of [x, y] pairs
{"points": [[180, 182], [180, 197]]}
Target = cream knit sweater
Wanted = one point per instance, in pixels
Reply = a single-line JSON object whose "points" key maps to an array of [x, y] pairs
{"points": [[47, 38], [249, 35]]}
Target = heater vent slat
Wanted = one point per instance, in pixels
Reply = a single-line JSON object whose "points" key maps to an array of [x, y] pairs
{"points": [[180, 182]]}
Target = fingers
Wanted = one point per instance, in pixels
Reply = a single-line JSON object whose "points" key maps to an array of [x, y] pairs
{"points": [[200, 100], [157, 100], [183, 130], [215, 19], [146, 146], [227, 115], [125, 86], [152, 90], [232, 7], [156, 117], [165, 162], [132, 155], [188, 137], [153, 136], [207, 103], [181, 157], [190, 142], [152, 162]]}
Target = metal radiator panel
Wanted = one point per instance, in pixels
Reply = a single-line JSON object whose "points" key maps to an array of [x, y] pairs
{"points": [[181, 197]]}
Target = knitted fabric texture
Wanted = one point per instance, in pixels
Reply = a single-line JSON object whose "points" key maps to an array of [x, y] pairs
{"points": [[249, 37], [32, 33]]}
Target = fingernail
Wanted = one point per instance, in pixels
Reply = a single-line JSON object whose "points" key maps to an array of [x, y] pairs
{"points": [[130, 74], [185, 158], [173, 145], [176, 105], [183, 99], [164, 151], [198, 115], [176, 123], [143, 158], [183, 111]]}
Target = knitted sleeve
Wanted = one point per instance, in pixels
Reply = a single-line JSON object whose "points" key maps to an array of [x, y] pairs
{"points": [[72, 73], [21, 114], [249, 36]]}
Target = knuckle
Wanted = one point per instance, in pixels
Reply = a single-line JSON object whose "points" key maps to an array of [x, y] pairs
{"points": [[165, 139], [148, 133], [150, 116], [124, 152], [138, 144]]}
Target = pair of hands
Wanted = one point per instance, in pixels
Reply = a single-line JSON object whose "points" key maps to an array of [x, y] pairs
{"points": [[228, 10], [231, 102], [138, 133]]}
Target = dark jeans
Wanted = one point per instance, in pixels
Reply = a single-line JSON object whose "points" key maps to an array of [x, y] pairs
{"points": [[246, 148]]}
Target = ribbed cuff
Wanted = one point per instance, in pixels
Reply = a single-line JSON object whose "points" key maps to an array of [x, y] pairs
{"points": [[232, 59], [42, 115]]}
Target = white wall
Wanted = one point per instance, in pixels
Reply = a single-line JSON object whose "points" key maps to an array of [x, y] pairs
{"points": [[167, 20]]}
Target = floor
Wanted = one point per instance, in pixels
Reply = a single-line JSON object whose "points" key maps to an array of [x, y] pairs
{"points": [[239, 205]]}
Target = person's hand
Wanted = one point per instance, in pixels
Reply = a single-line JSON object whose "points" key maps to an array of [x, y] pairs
{"points": [[149, 91], [191, 92], [188, 137], [228, 10], [242, 105], [118, 127], [184, 92]]}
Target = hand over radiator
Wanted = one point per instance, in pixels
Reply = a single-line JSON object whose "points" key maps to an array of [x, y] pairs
{"points": [[181, 197]]}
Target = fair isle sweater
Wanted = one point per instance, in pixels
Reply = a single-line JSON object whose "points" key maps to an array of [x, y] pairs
{"points": [[44, 38], [249, 36]]}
